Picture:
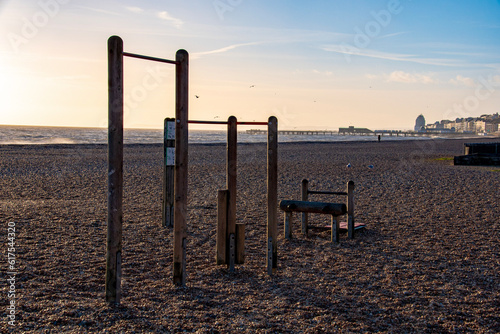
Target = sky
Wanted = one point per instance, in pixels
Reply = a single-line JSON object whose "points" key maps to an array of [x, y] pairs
{"points": [[313, 64]]}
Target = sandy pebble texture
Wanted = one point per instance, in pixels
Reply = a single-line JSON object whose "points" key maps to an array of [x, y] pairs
{"points": [[428, 261]]}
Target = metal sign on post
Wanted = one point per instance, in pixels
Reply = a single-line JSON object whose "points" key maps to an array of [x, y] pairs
{"points": [[168, 173]]}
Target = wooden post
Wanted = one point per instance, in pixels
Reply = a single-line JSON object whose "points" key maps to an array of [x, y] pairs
{"points": [[181, 167], [270, 253], [232, 252], [305, 198], [335, 229], [272, 194], [231, 179], [240, 243], [350, 209], [221, 244], [167, 209], [288, 225], [115, 169]]}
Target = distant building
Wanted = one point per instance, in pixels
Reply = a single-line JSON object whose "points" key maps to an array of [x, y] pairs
{"points": [[353, 130], [420, 123]]}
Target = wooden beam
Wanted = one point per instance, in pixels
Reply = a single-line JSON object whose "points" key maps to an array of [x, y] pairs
{"points": [[231, 179], [314, 207], [221, 241], [181, 167], [115, 169], [272, 194], [240, 243]]}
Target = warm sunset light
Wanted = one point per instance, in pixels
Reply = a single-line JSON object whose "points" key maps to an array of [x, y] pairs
{"points": [[315, 65]]}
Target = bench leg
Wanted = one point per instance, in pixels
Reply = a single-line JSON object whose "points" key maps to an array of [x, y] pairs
{"points": [[288, 225], [350, 210], [350, 226], [304, 223], [335, 229]]}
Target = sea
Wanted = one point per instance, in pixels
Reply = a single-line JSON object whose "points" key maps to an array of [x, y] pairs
{"points": [[41, 135]]}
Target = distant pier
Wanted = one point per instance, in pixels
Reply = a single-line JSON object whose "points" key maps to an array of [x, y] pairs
{"points": [[352, 131], [295, 132]]}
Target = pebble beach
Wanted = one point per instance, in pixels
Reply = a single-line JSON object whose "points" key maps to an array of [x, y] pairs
{"points": [[427, 262]]}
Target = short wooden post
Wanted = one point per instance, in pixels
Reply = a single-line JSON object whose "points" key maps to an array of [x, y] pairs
{"points": [[240, 243], [167, 209], [335, 229], [350, 209], [181, 167], [288, 225], [231, 179], [305, 198], [115, 169], [221, 244], [272, 194]]}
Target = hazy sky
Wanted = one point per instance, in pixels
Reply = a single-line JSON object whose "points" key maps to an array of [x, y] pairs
{"points": [[319, 64]]}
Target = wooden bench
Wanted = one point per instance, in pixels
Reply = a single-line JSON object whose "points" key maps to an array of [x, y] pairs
{"points": [[333, 209], [349, 225]]}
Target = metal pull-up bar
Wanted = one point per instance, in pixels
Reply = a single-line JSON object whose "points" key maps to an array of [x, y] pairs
{"points": [[161, 60], [226, 122]]}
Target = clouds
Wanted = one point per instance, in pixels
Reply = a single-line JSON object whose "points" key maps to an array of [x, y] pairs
{"points": [[405, 77], [177, 23], [461, 80], [134, 9], [222, 50], [162, 15]]}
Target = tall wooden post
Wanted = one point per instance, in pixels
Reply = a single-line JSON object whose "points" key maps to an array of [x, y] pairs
{"points": [[115, 169], [167, 209], [305, 198], [181, 167], [231, 179], [272, 195], [350, 210]]}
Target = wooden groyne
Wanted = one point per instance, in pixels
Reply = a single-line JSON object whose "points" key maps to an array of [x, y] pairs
{"points": [[479, 154]]}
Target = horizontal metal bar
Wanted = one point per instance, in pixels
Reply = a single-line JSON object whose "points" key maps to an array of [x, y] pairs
{"points": [[225, 122], [207, 122], [161, 60], [341, 193], [253, 123]]}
